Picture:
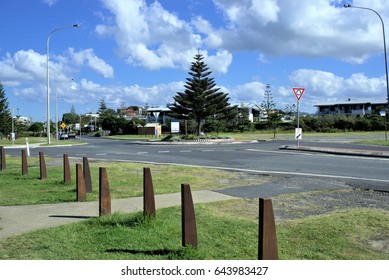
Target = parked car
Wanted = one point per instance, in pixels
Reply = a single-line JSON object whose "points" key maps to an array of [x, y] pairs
{"points": [[63, 136], [72, 134]]}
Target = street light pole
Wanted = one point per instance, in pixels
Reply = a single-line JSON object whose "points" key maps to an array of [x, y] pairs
{"points": [[56, 112], [386, 60], [48, 79]]}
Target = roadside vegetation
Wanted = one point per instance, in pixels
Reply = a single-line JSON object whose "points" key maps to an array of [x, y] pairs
{"points": [[125, 179], [341, 235], [226, 230]]}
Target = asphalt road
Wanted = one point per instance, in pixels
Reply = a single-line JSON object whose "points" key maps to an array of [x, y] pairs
{"points": [[291, 171]]}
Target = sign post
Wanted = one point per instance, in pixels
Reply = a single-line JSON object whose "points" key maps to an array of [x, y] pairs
{"points": [[298, 92]]}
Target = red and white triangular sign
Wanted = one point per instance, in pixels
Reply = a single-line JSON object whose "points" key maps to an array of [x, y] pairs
{"points": [[298, 92]]}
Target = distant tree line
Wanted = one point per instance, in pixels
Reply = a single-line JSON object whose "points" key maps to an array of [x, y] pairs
{"points": [[337, 123], [114, 121]]}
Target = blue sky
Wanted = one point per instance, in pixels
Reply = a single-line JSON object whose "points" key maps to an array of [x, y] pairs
{"points": [[133, 52]]}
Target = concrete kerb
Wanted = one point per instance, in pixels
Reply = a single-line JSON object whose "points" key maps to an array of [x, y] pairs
{"points": [[339, 151]]}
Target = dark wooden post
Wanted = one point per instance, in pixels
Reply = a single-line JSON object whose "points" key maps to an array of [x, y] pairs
{"points": [[24, 163], [87, 176], [267, 243], [42, 165], [2, 159], [66, 170], [80, 184], [148, 194], [105, 197], [188, 218]]}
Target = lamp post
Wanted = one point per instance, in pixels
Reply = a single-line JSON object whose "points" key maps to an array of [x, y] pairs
{"points": [[56, 112], [386, 60], [48, 78]]}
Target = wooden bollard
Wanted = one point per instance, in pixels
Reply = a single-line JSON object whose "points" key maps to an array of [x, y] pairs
{"points": [[188, 218], [2, 159], [66, 170], [105, 197], [24, 163], [42, 166], [87, 176], [80, 183], [148, 194], [267, 243]]}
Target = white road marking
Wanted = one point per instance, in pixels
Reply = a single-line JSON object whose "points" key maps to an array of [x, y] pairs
{"points": [[258, 171]]}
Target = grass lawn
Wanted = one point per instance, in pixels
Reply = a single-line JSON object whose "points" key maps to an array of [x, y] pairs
{"points": [[40, 140], [345, 235], [125, 179], [373, 142]]}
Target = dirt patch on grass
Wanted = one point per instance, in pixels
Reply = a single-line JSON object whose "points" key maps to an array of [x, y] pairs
{"points": [[379, 245], [301, 205]]}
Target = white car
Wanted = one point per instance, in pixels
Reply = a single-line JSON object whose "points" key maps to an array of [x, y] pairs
{"points": [[63, 136]]}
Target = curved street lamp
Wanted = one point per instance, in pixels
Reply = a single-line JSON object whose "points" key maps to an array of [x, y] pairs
{"points": [[386, 60], [48, 78]]}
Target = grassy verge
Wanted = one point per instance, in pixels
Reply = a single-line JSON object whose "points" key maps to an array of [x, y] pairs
{"points": [[261, 135], [40, 140], [343, 235], [373, 142], [126, 180], [22, 141]]}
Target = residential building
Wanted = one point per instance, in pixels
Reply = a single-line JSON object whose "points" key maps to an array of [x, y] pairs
{"points": [[352, 107], [157, 114]]}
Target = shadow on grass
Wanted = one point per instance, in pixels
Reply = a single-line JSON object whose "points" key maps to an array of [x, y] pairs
{"points": [[71, 217], [157, 252]]}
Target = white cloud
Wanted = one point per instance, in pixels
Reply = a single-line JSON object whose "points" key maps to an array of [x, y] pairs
{"points": [[115, 95], [321, 86], [326, 84], [49, 2], [23, 66], [87, 57], [154, 38], [306, 28], [220, 61], [251, 92]]}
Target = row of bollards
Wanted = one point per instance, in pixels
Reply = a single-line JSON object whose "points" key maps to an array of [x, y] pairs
{"points": [[267, 240]]}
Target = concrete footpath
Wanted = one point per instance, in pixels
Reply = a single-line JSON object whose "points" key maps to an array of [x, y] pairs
{"points": [[21, 219]]}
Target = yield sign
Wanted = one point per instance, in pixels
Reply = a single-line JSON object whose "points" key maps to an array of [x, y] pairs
{"points": [[298, 92]]}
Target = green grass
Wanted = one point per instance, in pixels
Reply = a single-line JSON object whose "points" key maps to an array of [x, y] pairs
{"points": [[125, 180], [373, 142], [22, 141], [344, 235], [40, 140]]}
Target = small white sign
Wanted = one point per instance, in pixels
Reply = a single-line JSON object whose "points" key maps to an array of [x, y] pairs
{"points": [[175, 127], [298, 134], [382, 113]]}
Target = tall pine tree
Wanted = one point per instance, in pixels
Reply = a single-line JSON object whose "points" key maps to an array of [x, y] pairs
{"points": [[201, 98], [5, 113]]}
